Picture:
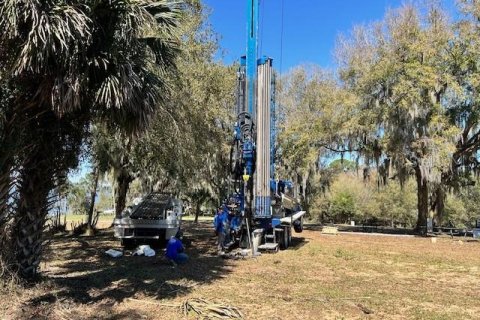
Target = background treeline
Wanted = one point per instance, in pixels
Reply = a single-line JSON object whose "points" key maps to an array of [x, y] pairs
{"points": [[404, 103], [350, 197]]}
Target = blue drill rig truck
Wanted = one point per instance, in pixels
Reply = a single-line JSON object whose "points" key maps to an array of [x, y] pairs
{"points": [[266, 205]]}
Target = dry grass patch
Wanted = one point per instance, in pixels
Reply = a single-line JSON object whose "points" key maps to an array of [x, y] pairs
{"points": [[346, 276]]}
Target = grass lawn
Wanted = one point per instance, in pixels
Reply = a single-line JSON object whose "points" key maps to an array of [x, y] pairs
{"points": [[348, 276], [104, 221], [200, 218]]}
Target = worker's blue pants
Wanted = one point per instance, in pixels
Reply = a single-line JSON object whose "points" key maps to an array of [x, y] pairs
{"points": [[181, 258]]}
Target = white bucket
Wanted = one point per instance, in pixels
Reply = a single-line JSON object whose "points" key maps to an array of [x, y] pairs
{"points": [[257, 239]]}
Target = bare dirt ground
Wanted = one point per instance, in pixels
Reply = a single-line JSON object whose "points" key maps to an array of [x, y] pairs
{"points": [[347, 276]]}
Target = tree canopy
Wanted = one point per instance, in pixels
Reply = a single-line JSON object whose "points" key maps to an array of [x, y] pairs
{"points": [[403, 99]]}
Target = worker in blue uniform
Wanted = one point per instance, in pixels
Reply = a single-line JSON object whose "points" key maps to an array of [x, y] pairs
{"points": [[175, 251], [220, 225], [233, 224]]}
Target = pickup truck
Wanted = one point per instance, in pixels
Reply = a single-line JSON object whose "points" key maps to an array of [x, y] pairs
{"points": [[156, 218]]}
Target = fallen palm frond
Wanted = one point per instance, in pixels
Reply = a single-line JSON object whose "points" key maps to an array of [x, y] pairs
{"points": [[208, 310], [201, 308]]}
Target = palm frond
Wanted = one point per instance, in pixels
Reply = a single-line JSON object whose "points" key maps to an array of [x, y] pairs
{"points": [[50, 34], [165, 13], [164, 51], [132, 77]]}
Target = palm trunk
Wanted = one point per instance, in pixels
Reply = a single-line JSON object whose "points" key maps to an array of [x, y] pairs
{"points": [[422, 204], [6, 161], [30, 217], [93, 195], [7, 142], [43, 164], [5, 184], [6, 256]]}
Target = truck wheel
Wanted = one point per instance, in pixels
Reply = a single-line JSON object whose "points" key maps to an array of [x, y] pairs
{"points": [[298, 225], [280, 239], [289, 236], [286, 241]]}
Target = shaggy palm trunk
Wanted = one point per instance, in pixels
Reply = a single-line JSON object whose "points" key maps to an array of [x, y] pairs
{"points": [[30, 217], [5, 183], [93, 195], [422, 204], [43, 165], [5, 240], [7, 143]]}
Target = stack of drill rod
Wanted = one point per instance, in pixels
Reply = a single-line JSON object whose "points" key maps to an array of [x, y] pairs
{"points": [[262, 176]]}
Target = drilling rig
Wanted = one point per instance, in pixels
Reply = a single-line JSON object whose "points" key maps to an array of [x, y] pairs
{"points": [[266, 204]]}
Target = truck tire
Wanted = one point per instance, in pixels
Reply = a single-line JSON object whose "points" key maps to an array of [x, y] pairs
{"points": [[280, 239], [298, 225], [286, 237], [289, 236]]}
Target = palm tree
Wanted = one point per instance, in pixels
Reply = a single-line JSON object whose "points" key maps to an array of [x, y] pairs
{"points": [[79, 61]]}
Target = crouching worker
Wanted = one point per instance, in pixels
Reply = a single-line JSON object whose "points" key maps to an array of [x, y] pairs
{"points": [[175, 252]]}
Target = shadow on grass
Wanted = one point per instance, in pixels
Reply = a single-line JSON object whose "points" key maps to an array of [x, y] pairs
{"points": [[87, 275], [297, 243]]}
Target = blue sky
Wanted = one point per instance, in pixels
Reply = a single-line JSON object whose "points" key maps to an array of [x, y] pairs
{"points": [[310, 26]]}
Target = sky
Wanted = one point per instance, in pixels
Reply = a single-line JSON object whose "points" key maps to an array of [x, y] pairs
{"points": [[310, 27]]}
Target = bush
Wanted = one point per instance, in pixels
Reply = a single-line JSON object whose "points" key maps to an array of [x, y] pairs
{"points": [[352, 198]]}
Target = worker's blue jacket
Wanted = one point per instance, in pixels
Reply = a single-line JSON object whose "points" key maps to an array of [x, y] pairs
{"points": [[174, 246], [235, 223], [220, 221]]}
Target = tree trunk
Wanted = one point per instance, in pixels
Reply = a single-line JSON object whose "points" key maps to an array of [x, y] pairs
{"points": [[5, 185], [6, 167], [6, 254], [123, 178], [31, 214], [50, 147], [121, 188], [93, 195], [422, 204], [439, 205], [197, 211], [8, 144], [304, 185]]}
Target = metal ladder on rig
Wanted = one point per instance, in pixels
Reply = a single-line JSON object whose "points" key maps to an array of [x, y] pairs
{"points": [[270, 241]]}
